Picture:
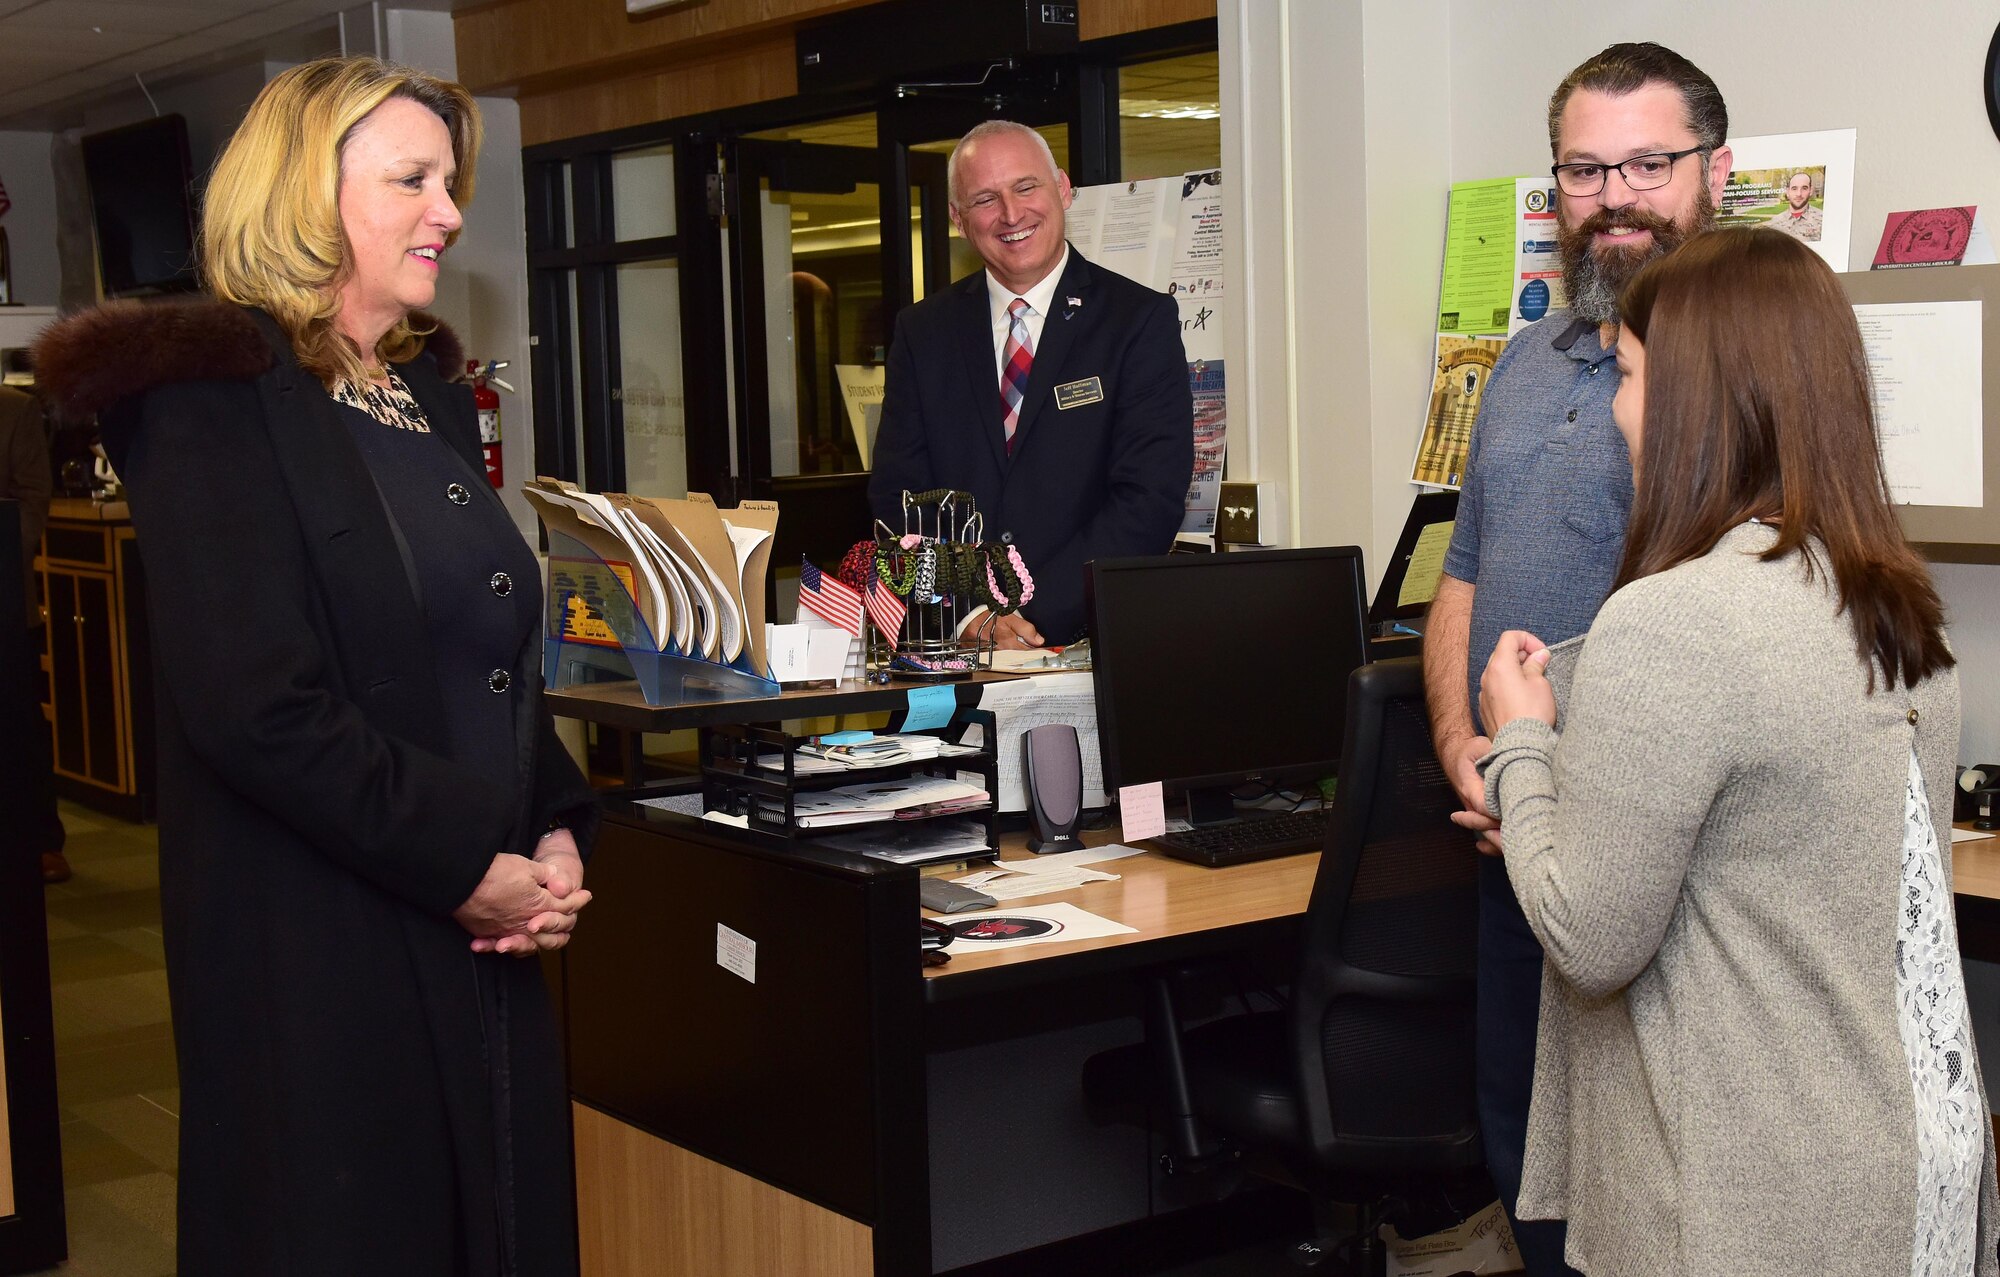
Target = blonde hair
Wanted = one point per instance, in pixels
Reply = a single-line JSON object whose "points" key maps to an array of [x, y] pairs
{"points": [[271, 234]]}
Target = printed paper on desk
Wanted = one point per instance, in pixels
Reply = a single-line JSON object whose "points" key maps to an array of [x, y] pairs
{"points": [[1070, 859], [1013, 886], [984, 929], [1030, 702], [1142, 811], [1970, 835]]}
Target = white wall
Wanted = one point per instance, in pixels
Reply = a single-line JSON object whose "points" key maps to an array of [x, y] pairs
{"points": [[1910, 89], [31, 223], [1337, 143], [1451, 90]]}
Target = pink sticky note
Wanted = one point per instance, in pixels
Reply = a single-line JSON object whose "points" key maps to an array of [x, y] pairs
{"points": [[1142, 811]]}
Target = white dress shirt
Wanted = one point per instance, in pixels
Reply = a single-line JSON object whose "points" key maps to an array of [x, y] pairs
{"points": [[1039, 298]]}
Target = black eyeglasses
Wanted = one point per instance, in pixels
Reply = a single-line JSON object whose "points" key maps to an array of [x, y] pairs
{"points": [[1640, 173]]}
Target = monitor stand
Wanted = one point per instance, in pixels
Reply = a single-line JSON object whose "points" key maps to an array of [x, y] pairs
{"points": [[1210, 805]]}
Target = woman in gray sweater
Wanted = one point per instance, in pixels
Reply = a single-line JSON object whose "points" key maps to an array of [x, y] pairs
{"points": [[1755, 1054]]}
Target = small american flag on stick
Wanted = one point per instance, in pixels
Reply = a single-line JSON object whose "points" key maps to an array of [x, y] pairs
{"points": [[886, 608], [829, 598]]}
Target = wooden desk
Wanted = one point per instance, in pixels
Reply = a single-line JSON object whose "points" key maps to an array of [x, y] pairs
{"points": [[1975, 867], [1975, 883], [840, 1109], [1166, 899]]}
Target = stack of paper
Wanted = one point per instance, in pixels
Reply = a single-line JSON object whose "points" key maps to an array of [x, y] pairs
{"points": [[882, 750], [909, 843], [1030, 702], [809, 652], [1010, 884], [696, 573], [887, 800]]}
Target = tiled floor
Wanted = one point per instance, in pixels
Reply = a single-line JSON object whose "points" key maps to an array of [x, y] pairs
{"points": [[115, 1074]]}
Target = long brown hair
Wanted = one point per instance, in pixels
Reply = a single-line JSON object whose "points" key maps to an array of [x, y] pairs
{"points": [[1758, 404]]}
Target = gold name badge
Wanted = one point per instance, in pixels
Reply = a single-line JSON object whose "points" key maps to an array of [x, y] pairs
{"points": [[1075, 394]]}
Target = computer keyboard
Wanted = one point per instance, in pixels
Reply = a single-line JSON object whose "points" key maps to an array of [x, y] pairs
{"points": [[1256, 837]]}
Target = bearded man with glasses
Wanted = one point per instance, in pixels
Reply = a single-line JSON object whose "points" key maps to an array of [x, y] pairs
{"points": [[1637, 134]]}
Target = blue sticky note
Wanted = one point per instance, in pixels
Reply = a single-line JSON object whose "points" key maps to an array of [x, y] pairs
{"points": [[846, 738], [930, 707]]}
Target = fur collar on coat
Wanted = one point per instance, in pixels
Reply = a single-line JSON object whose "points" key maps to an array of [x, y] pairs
{"points": [[91, 360]]}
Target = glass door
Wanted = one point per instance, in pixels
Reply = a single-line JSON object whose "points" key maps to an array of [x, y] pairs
{"points": [[830, 236]]}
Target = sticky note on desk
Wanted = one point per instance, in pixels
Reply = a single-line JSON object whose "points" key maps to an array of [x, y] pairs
{"points": [[930, 707], [1142, 811]]}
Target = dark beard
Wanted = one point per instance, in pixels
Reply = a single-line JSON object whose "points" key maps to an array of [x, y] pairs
{"points": [[1593, 280]]}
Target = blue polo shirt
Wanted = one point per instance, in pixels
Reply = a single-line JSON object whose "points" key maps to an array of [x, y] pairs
{"points": [[1548, 490]]}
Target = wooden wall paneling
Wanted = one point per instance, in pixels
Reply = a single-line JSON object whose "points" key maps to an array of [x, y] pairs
{"points": [[746, 71], [646, 1206], [513, 44], [1097, 19]]}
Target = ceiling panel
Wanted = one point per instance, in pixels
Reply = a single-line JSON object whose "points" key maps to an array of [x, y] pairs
{"points": [[56, 55], [85, 17]]}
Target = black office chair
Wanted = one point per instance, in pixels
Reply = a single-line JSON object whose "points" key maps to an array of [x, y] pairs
{"points": [[1361, 1092]]}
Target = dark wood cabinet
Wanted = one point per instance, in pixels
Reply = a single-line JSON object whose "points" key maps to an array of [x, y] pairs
{"points": [[97, 668]]}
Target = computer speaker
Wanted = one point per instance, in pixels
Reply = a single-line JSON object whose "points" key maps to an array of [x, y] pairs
{"points": [[1052, 775]]}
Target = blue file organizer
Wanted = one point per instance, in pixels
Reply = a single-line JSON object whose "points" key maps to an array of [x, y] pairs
{"points": [[593, 632]]}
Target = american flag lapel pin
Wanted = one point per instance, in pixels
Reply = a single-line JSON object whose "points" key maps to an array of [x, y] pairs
{"points": [[1071, 306]]}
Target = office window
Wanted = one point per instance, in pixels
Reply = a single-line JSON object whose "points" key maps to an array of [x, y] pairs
{"points": [[642, 193], [1169, 116], [649, 378]]}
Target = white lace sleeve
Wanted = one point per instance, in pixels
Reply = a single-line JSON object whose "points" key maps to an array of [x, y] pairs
{"points": [[1930, 995]]}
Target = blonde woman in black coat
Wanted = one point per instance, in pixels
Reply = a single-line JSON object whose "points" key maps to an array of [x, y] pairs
{"points": [[365, 817]]}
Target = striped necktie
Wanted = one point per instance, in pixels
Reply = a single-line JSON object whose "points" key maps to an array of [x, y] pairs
{"points": [[1018, 358]]}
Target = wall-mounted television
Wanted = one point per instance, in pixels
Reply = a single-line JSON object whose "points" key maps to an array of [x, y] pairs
{"points": [[142, 203]]}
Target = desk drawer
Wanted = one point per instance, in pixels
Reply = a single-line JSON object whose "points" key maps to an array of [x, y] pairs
{"points": [[83, 546]]}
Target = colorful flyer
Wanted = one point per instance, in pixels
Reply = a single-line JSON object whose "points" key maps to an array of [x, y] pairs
{"points": [[1928, 237], [1798, 183], [1538, 273], [1477, 293], [1458, 386], [1197, 286]]}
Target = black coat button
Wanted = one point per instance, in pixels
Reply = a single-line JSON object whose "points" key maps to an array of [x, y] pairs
{"points": [[499, 680], [457, 495], [1006, 538], [502, 584], [1571, 417]]}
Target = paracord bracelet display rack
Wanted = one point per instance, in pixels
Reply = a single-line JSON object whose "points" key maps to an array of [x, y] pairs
{"points": [[942, 570]]}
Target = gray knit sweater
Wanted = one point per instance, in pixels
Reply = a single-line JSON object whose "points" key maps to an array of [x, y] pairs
{"points": [[1710, 854]]}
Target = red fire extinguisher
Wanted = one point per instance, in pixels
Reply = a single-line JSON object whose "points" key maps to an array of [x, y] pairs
{"points": [[487, 400]]}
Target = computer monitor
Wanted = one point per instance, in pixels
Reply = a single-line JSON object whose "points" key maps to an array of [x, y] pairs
{"points": [[1214, 670]]}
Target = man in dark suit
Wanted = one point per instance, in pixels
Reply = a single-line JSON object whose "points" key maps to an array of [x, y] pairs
{"points": [[1054, 391]]}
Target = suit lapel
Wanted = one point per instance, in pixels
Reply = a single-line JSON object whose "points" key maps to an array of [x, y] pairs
{"points": [[444, 406], [1059, 334], [348, 533], [982, 366]]}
